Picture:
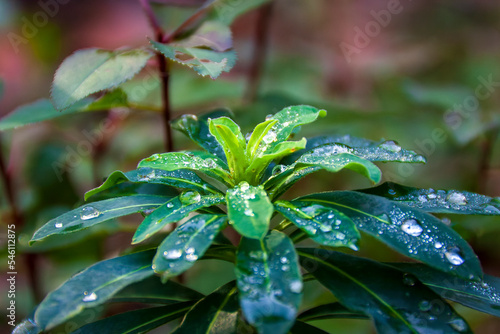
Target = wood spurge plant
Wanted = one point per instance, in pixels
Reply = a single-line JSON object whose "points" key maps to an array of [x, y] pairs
{"points": [[237, 182]]}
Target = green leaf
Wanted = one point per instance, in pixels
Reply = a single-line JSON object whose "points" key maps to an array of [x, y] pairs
{"points": [[330, 311], [483, 296], [324, 225], [301, 327], [173, 211], [269, 282], [27, 326], [229, 136], [93, 286], [336, 162], [153, 291], [278, 184], [221, 252], [258, 135], [137, 321], [411, 232], [186, 244], [216, 313], [438, 201], [396, 302], [287, 120], [116, 98], [386, 151], [92, 70], [226, 11], [179, 178], [40, 110], [208, 51], [197, 161], [98, 212], [249, 210], [196, 128]]}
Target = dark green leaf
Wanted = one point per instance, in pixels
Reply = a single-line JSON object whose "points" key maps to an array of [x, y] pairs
{"points": [[397, 302], [114, 99], [337, 162], [92, 70], [196, 128], [249, 210], [173, 211], [179, 178], [93, 286], [438, 201], [330, 311], [137, 321], [186, 244], [324, 225], [278, 184], [301, 327], [40, 110], [269, 282], [153, 291], [411, 232], [98, 212], [221, 252], [200, 161], [216, 313], [483, 296], [226, 11]]}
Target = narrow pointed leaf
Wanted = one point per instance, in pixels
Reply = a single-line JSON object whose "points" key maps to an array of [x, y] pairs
{"points": [[269, 282], [196, 128], [367, 149], [196, 161], [322, 224], [229, 136], [438, 201], [153, 291], [278, 184], [330, 311], [98, 212], [221, 252], [411, 232], [188, 242], [92, 70], [288, 119], [173, 211], [92, 286], [216, 313], [337, 162], [179, 178], [137, 321], [396, 302], [483, 296], [258, 135], [249, 210]]}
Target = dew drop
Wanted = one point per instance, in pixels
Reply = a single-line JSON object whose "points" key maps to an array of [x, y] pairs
{"points": [[190, 250], [412, 227], [325, 228], [438, 245], [458, 324], [244, 186], [89, 297], [391, 145], [392, 192], [249, 213], [284, 260], [172, 254], [424, 305], [189, 197], [296, 286], [453, 256], [422, 198], [269, 137], [89, 212], [191, 257], [58, 225], [340, 235], [170, 205], [446, 221], [147, 177], [456, 198], [408, 279], [285, 267]]}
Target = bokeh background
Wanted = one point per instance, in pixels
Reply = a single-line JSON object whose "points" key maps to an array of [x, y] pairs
{"points": [[426, 75]]}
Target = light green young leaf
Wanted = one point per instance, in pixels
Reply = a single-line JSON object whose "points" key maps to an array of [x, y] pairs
{"points": [[324, 225], [92, 70], [258, 135], [249, 210], [93, 286], [173, 211], [438, 201], [188, 242], [98, 212], [194, 160], [269, 281]]}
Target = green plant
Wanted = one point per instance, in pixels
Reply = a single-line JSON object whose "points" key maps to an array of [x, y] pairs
{"points": [[237, 181]]}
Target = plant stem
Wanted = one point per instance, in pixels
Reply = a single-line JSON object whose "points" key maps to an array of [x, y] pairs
{"points": [[30, 259], [485, 159], [260, 50], [164, 74]]}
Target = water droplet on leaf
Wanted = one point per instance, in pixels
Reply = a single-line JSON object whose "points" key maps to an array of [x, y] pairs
{"points": [[172, 254], [408, 279], [412, 227], [269, 137], [391, 145], [89, 212], [453, 256], [58, 225], [456, 198], [424, 305], [296, 286], [189, 197], [89, 297], [458, 324], [438, 245]]}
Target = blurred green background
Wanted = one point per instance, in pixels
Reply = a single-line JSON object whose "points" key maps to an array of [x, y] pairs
{"points": [[423, 73]]}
